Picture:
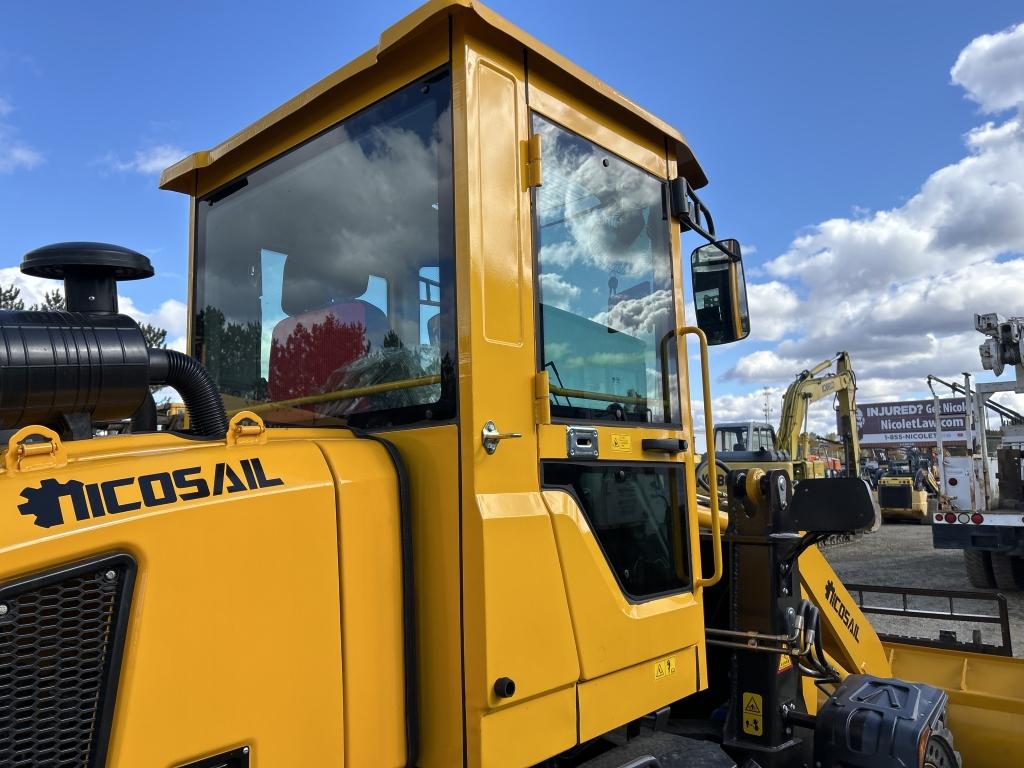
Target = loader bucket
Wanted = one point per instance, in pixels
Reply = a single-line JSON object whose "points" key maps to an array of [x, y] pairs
{"points": [[986, 698]]}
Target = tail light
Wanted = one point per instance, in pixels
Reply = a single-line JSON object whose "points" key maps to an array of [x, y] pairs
{"points": [[977, 518], [950, 517]]}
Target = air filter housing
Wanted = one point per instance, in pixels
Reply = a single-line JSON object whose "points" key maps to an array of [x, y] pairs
{"points": [[66, 370], [54, 365]]}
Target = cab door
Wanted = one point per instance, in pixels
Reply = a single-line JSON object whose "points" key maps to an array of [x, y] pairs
{"points": [[615, 438]]}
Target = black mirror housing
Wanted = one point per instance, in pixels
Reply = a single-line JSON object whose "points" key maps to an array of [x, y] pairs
{"points": [[720, 291]]}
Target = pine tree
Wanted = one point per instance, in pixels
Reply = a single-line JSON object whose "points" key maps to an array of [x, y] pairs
{"points": [[53, 301], [10, 297], [155, 337]]}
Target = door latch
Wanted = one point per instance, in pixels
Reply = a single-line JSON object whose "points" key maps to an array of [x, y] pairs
{"points": [[491, 436]]}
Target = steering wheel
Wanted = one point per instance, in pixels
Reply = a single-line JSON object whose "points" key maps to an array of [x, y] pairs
{"points": [[722, 471]]}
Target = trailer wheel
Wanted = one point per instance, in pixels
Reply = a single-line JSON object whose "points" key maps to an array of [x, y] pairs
{"points": [[1008, 571], [979, 568]]}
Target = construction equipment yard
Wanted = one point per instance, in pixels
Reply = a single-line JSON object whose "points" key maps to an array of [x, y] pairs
{"points": [[902, 555]]}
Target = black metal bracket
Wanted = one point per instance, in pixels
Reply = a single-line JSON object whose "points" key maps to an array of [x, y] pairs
{"points": [[689, 210]]}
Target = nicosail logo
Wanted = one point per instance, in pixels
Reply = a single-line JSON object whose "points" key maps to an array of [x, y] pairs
{"points": [[833, 599], [125, 494]]}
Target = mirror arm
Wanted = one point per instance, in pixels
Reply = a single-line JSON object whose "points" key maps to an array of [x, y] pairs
{"points": [[710, 234], [687, 208]]}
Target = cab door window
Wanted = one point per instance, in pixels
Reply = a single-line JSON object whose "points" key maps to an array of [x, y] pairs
{"points": [[638, 515], [606, 307]]}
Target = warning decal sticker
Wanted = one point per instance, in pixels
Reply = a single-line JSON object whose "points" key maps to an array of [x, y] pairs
{"points": [[753, 714], [622, 442], [665, 667]]}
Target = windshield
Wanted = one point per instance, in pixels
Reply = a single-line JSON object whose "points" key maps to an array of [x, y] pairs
{"points": [[604, 280], [731, 439], [324, 280]]}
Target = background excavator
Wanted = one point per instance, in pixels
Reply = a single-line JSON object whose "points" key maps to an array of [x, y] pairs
{"points": [[425, 511], [754, 444]]}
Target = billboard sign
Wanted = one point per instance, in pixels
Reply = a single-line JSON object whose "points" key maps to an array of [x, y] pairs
{"points": [[910, 422]]}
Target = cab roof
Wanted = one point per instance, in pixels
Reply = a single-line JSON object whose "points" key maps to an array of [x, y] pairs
{"points": [[180, 177]]}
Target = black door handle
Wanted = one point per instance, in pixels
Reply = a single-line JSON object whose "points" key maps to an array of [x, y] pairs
{"points": [[663, 446]]}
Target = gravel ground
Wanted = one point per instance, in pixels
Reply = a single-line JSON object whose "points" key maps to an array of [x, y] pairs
{"points": [[901, 554]]}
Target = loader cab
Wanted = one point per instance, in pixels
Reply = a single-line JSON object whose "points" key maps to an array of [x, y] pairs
{"points": [[469, 247]]}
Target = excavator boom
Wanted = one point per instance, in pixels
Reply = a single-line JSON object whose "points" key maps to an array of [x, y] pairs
{"points": [[810, 387]]}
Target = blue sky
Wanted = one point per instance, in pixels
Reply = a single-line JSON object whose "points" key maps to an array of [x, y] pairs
{"points": [[819, 124]]}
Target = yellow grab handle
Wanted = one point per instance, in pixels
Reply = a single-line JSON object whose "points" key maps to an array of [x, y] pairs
{"points": [[709, 436]]}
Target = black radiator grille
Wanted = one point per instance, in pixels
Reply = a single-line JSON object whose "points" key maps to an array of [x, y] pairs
{"points": [[895, 496], [61, 637]]}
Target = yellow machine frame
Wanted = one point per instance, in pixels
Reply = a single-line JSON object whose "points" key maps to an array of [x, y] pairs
{"points": [[533, 599]]}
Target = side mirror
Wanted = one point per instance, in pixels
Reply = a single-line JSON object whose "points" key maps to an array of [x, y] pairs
{"points": [[720, 291]]}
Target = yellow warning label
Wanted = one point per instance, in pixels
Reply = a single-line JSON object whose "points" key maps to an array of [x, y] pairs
{"points": [[622, 442], [665, 668], [753, 714], [785, 663]]}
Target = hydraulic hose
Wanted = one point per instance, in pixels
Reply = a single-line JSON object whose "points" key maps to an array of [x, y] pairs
{"points": [[205, 408]]}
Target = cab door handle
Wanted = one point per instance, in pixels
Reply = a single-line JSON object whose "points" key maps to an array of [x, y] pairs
{"points": [[657, 445]]}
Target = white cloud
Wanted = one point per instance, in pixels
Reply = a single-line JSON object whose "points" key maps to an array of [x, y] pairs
{"points": [[1012, 400], [764, 366], [639, 317], [990, 67], [148, 161], [14, 152], [32, 288], [897, 288], [773, 309], [171, 315], [556, 291]]}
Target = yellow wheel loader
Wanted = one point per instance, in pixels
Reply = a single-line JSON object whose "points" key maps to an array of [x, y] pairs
{"points": [[907, 489], [434, 504]]}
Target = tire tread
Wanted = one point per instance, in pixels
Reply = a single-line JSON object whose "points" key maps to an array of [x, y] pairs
{"points": [[978, 564]]}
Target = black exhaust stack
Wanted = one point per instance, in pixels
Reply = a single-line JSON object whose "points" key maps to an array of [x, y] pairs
{"points": [[68, 369]]}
